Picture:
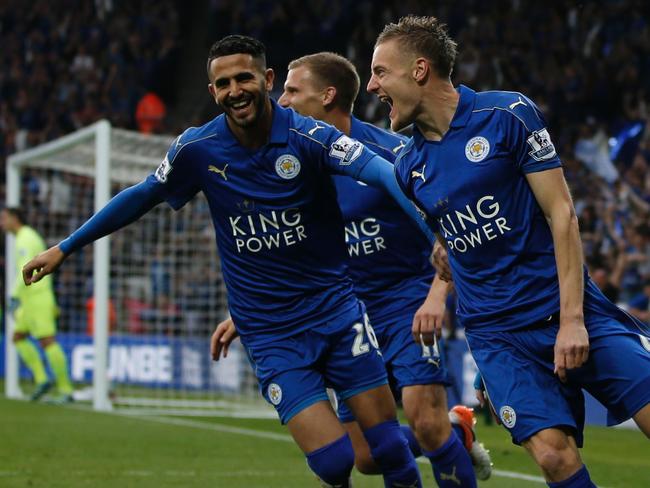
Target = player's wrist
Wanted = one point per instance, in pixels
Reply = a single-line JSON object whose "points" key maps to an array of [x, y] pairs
{"points": [[572, 322], [65, 246]]}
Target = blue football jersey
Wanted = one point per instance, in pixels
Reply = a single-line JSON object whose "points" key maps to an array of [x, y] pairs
{"points": [[389, 255], [472, 184], [278, 226]]}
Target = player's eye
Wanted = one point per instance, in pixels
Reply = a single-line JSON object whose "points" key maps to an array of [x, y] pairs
{"points": [[244, 77]]}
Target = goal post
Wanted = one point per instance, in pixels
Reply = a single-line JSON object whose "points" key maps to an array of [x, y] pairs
{"points": [[49, 154], [152, 293]]}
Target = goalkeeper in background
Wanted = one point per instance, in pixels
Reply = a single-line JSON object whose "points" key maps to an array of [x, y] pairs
{"points": [[34, 309]]}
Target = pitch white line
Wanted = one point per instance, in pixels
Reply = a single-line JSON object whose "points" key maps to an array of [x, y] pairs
{"points": [[287, 438], [216, 427]]}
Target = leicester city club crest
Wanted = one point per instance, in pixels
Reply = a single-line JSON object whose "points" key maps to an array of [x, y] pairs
{"points": [[275, 393], [287, 166], [477, 149], [508, 416]]}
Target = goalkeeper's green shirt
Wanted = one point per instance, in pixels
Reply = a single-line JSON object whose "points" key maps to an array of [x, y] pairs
{"points": [[29, 244]]}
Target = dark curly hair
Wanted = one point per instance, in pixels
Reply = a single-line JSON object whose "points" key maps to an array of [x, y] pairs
{"points": [[237, 44]]}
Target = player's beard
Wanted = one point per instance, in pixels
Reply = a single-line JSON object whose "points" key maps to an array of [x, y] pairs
{"points": [[256, 109]]}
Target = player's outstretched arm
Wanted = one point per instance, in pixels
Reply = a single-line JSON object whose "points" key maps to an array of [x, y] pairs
{"points": [[221, 339], [42, 265], [380, 173], [125, 207], [552, 195]]}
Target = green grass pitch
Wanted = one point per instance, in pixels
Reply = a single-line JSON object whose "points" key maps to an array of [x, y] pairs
{"points": [[52, 446]]}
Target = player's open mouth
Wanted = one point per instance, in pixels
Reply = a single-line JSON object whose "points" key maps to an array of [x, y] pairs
{"points": [[389, 101], [240, 105]]}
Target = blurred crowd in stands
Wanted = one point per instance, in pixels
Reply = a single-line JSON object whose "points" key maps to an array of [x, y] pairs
{"points": [[66, 64]]}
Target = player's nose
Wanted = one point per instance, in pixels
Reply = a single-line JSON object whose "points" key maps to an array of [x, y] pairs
{"points": [[283, 100], [372, 86], [235, 89]]}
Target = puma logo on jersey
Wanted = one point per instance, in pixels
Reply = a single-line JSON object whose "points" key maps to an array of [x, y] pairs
{"points": [[450, 477], [419, 174], [313, 130], [399, 148], [519, 102], [221, 172]]}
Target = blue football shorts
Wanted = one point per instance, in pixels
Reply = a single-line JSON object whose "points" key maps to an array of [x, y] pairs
{"points": [[407, 362], [342, 354], [517, 369]]}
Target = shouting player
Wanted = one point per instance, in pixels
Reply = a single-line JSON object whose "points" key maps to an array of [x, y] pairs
{"points": [[484, 167]]}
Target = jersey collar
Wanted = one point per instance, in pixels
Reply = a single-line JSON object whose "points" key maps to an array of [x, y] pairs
{"points": [[279, 127], [356, 127], [461, 117]]}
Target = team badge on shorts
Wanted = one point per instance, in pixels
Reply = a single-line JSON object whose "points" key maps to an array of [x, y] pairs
{"points": [[275, 393], [508, 416], [477, 149], [287, 166]]}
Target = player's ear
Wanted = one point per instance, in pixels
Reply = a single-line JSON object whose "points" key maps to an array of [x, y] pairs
{"points": [[329, 95], [421, 70], [269, 76], [212, 91]]}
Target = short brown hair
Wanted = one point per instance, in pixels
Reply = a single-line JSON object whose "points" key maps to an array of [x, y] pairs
{"points": [[332, 69], [426, 37]]}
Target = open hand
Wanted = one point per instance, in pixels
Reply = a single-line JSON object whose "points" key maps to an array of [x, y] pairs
{"points": [[221, 339]]}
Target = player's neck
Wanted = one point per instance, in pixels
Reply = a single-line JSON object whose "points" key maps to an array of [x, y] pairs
{"points": [[437, 110], [256, 135], [342, 121]]}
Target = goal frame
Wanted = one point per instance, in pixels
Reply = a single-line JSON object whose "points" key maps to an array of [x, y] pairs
{"points": [[100, 133]]}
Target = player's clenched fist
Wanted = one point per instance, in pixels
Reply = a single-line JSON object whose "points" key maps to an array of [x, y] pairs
{"points": [[42, 265]]}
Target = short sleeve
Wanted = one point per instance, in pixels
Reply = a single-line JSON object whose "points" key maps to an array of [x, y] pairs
{"points": [[175, 176], [337, 152], [528, 138]]}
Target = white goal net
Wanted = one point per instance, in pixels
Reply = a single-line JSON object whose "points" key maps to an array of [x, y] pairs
{"points": [[137, 308]]}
